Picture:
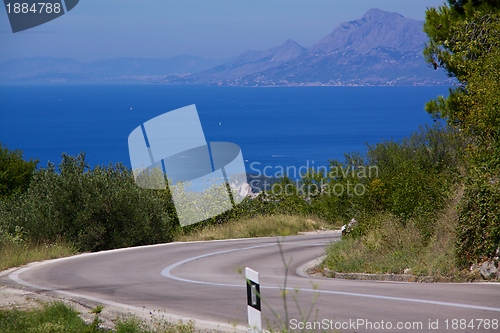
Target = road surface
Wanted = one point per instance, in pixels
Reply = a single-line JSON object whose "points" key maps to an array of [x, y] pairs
{"points": [[203, 280]]}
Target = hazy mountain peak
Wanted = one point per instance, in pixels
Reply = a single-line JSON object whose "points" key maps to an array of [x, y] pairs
{"points": [[376, 14], [375, 30], [288, 50], [290, 42]]}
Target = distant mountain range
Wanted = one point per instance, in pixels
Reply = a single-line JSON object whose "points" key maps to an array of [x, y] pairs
{"points": [[65, 69], [381, 48]]}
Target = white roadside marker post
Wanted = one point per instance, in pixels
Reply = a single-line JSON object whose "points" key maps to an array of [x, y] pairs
{"points": [[253, 298]]}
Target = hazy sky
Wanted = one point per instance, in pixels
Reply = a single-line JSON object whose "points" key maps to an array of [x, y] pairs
{"points": [[103, 29]]}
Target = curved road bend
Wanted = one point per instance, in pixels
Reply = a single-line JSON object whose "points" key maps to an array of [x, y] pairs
{"points": [[200, 280]]}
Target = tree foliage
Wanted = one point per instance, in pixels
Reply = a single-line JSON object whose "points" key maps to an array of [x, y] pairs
{"points": [[15, 172], [471, 53], [465, 41], [458, 5], [443, 26]]}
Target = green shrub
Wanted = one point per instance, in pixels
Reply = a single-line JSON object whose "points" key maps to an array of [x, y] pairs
{"points": [[417, 172], [15, 172], [408, 178], [412, 177], [95, 209], [478, 231]]}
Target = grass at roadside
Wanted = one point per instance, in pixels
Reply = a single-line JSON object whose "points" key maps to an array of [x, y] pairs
{"points": [[58, 317], [53, 317], [260, 226], [392, 245], [132, 324], [14, 254]]}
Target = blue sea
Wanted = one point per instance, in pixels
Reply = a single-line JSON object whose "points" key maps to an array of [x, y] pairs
{"points": [[275, 127]]}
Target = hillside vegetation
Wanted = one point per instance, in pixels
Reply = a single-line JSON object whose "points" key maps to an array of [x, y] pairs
{"points": [[450, 242], [465, 41]]}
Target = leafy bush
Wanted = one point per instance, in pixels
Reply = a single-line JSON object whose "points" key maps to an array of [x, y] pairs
{"points": [[95, 209], [417, 172], [409, 178], [478, 115], [478, 231], [15, 172]]}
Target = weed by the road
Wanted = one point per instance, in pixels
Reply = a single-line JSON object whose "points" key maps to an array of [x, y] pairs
{"points": [[133, 324], [14, 254], [58, 317], [260, 226], [52, 317]]}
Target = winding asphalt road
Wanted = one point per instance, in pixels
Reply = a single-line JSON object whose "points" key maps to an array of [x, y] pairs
{"points": [[201, 280]]}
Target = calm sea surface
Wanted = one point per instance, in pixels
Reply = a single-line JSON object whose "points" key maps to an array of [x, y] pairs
{"points": [[273, 126]]}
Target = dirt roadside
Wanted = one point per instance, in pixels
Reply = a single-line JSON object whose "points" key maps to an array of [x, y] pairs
{"points": [[13, 295]]}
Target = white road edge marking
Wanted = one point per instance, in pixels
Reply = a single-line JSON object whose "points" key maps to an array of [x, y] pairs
{"points": [[167, 273], [14, 276]]}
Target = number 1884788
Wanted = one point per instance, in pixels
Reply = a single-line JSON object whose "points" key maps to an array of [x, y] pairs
{"points": [[35, 8]]}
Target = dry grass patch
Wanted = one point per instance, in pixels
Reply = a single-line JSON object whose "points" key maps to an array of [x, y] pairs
{"points": [[261, 226], [18, 254]]}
